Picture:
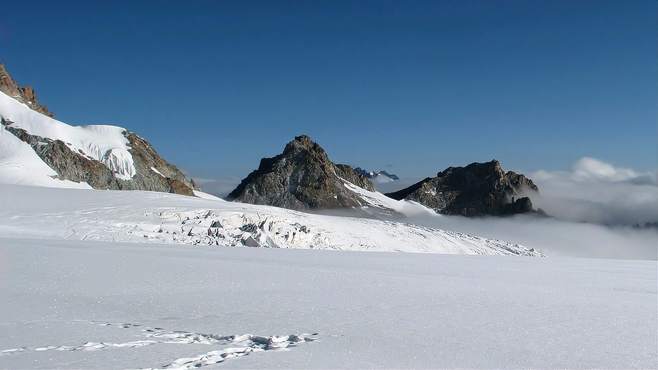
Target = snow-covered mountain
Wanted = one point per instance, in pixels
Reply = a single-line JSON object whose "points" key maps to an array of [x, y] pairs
{"points": [[378, 177], [36, 149]]}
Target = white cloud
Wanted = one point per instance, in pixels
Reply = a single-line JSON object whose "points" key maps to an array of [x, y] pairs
{"points": [[598, 192], [589, 169]]}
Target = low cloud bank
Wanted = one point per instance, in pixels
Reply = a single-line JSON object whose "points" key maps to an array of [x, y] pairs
{"points": [[597, 192], [555, 237]]}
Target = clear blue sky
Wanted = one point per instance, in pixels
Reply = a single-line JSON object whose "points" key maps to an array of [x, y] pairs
{"points": [[408, 86]]}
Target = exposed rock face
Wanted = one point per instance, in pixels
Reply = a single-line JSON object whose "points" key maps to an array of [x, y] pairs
{"points": [[25, 94], [79, 167], [302, 177], [478, 189]]}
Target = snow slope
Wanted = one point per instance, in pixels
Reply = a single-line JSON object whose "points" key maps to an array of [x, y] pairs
{"points": [[103, 143], [19, 164], [167, 218], [378, 200], [81, 304]]}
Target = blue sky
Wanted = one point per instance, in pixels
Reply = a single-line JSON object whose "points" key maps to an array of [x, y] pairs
{"points": [[407, 86]]}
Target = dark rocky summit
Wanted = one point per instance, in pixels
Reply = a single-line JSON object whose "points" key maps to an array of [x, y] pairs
{"points": [[24, 94], [479, 189], [302, 177]]}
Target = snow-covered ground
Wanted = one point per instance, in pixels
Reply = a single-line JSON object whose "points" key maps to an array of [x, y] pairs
{"points": [[84, 304], [137, 216], [132, 279]]}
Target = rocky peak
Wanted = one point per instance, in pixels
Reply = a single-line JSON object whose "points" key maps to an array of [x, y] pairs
{"points": [[478, 189], [301, 177], [7, 83], [24, 94], [303, 143]]}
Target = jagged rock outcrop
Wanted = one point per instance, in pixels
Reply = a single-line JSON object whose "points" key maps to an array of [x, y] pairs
{"points": [[302, 177], [24, 94], [479, 189]]}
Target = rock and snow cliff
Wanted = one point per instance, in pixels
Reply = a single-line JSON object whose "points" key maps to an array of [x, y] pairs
{"points": [[36, 149]]}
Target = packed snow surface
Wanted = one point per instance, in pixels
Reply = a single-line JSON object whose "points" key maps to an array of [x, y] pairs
{"points": [[84, 304], [103, 143], [152, 217], [85, 282]]}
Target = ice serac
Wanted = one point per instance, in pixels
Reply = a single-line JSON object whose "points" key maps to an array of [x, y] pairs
{"points": [[302, 177], [97, 156], [479, 189]]}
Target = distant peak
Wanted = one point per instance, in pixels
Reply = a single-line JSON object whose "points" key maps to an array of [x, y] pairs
{"points": [[382, 175]]}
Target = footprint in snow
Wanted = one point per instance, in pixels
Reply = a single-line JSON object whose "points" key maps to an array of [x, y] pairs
{"points": [[231, 346]]}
